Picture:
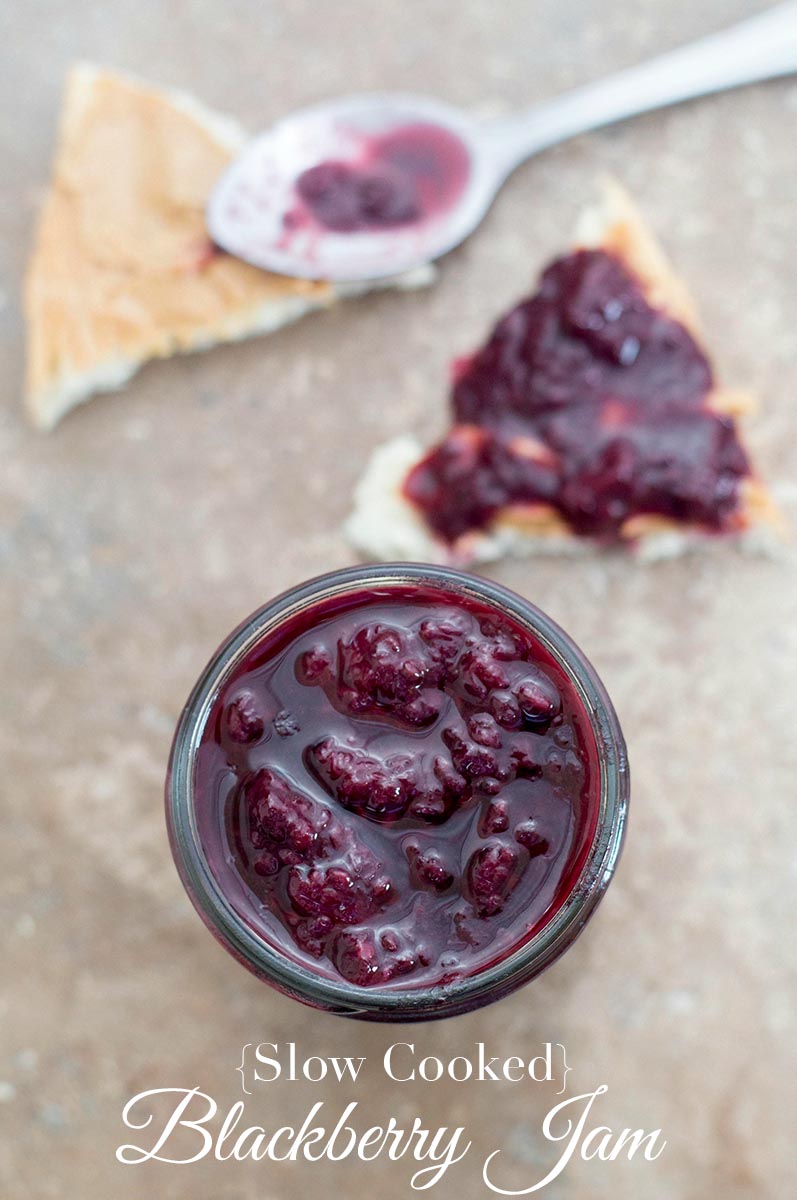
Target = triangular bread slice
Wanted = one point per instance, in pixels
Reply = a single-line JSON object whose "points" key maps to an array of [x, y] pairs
{"points": [[122, 270], [385, 525]]}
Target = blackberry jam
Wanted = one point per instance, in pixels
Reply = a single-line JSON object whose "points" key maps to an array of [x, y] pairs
{"points": [[588, 400], [398, 178], [397, 792]]}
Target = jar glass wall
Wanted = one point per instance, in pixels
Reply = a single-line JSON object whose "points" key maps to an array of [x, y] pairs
{"points": [[210, 839]]}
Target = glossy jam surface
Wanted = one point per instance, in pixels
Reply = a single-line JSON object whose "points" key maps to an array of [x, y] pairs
{"points": [[397, 787], [587, 399], [399, 178]]}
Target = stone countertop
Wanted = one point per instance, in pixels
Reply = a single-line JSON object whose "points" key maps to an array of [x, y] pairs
{"points": [[149, 523]]}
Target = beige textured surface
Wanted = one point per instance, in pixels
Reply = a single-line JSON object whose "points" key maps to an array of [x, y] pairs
{"points": [[137, 535]]}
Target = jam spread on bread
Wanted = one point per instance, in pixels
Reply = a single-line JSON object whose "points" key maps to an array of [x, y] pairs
{"points": [[590, 401]]}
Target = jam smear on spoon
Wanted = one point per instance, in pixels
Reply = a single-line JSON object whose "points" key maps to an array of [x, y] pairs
{"points": [[398, 178]]}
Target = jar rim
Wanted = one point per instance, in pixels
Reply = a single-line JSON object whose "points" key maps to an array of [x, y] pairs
{"points": [[431, 1000]]}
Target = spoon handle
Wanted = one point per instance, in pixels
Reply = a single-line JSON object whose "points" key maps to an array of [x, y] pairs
{"points": [[760, 47]]}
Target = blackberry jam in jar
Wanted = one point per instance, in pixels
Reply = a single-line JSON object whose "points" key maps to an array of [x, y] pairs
{"points": [[397, 792]]}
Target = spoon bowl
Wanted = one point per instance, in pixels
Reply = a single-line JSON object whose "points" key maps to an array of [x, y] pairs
{"points": [[254, 212]]}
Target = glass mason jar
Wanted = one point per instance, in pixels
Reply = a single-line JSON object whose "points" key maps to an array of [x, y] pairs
{"points": [[218, 895]]}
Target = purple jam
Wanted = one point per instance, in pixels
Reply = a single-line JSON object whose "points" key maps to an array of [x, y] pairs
{"points": [[589, 400], [399, 178], [397, 787]]}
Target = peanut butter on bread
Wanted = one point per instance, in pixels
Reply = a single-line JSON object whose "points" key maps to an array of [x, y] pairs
{"points": [[122, 270]]}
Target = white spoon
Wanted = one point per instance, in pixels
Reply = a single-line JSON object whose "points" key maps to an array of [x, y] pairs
{"points": [[463, 162]]}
